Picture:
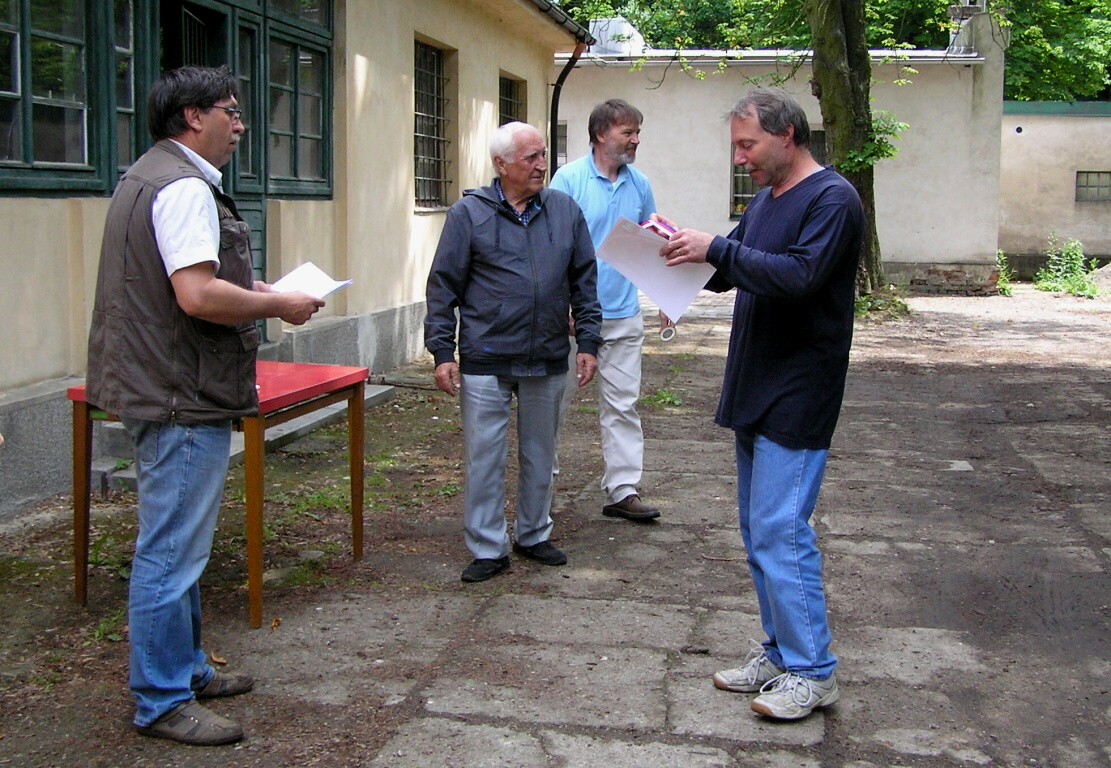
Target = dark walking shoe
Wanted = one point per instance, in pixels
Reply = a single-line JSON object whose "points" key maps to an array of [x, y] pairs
{"points": [[226, 684], [631, 508], [543, 552], [191, 723], [485, 568]]}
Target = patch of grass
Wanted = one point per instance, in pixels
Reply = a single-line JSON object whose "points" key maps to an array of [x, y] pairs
{"points": [[884, 304], [107, 553], [1066, 271], [110, 628], [383, 460], [448, 490], [661, 398]]}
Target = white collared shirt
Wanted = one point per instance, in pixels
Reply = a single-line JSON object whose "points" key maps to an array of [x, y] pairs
{"points": [[186, 224]]}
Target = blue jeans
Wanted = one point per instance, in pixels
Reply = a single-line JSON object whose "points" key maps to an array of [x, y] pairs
{"points": [[485, 402], [181, 471], [777, 490]]}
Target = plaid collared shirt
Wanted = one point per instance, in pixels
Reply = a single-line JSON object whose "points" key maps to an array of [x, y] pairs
{"points": [[532, 205]]}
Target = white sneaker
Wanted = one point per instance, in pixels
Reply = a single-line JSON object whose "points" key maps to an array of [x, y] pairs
{"points": [[750, 676], [792, 697]]}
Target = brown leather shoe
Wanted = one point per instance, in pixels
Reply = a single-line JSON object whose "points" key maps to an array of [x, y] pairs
{"points": [[631, 508], [226, 684]]}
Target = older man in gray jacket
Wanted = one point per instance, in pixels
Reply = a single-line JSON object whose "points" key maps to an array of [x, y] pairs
{"points": [[513, 258]]}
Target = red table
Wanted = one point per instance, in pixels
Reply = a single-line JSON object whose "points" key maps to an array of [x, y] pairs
{"points": [[286, 391]]}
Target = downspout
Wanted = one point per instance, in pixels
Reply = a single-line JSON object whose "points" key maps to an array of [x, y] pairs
{"points": [[553, 128]]}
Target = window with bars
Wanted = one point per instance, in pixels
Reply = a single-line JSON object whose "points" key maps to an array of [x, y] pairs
{"points": [[744, 189], [511, 100], [430, 134], [1093, 186]]}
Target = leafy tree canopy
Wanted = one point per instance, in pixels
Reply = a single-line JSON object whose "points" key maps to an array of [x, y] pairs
{"points": [[1060, 50]]}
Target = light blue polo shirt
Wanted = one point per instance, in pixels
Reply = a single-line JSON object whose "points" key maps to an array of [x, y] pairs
{"points": [[603, 202]]}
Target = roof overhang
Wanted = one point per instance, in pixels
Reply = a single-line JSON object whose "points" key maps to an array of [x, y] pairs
{"points": [[541, 21], [734, 58]]}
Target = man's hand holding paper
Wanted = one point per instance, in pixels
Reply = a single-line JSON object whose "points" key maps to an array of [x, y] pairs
{"points": [[635, 252]]}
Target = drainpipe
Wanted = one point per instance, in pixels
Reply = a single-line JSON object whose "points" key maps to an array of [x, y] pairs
{"points": [[553, 129]]}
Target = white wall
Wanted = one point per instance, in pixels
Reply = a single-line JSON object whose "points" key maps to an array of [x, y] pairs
{"points": [[1041, 154]]}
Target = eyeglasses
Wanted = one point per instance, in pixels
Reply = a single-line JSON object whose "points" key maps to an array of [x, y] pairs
{"points": [[236, 114]]}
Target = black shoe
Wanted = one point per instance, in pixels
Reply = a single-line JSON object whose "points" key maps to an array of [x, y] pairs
{"points": [[543, 552], [631, 508], [485, 568]]}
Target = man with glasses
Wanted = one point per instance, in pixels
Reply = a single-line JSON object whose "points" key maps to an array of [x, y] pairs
{"points": [[172, 353]]}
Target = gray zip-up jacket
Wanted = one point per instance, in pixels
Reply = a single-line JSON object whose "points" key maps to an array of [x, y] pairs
{"points": [[512, 285]]}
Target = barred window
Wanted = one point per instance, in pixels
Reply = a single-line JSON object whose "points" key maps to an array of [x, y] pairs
{"points": [[511, 100], [1093, 186], [430, 152]]}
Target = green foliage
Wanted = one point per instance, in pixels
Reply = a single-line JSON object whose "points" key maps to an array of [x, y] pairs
{"points": [[1066, 271], [885, 128], [884, 304], [1006, 274], [661, 398], [1059, 51]]}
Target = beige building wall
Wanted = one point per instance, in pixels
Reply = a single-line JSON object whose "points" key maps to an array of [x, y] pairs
{"points": [[370, 232], [1041, 154]]}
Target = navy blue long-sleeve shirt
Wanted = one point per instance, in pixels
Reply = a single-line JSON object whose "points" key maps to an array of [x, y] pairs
{"points": [[793, 260]]}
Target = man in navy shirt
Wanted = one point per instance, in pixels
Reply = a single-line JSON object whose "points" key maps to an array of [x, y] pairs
{"points": [[792, 258]]}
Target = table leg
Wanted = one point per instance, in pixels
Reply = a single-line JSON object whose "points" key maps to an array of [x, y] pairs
{"points": [[82, 455], [254, 445], [355, 448]]}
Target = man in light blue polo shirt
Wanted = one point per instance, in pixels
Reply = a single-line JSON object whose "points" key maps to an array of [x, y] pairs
{"points": [[607, 187]]}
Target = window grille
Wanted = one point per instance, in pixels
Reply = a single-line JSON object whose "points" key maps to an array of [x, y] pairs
{"points": [[511, 100], [430, 151]]}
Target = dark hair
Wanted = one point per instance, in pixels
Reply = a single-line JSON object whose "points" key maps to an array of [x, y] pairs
{"points": [[185, 87], [776, 110], [611, 113]]}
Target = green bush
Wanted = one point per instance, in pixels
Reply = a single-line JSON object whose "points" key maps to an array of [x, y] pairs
{"points": [[1066, 271]]}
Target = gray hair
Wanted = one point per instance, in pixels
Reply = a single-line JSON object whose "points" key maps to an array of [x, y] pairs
{"points": [[503, 143], [776, 110]]}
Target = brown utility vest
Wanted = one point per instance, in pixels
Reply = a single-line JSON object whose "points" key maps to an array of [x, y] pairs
{"points": [[148, 359]]}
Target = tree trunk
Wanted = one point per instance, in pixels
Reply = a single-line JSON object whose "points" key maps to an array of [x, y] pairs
{"points": [[841, 81]]}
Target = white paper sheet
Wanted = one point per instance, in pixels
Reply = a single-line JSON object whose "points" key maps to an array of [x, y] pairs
{"points": [[635, 253], [311, 279]]}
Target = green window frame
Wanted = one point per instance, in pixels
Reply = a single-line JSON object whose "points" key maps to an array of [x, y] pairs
{"points": [[74, 76], [59, 91], [298, 108]]}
